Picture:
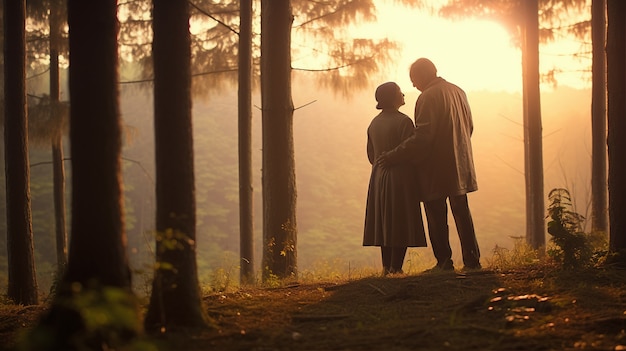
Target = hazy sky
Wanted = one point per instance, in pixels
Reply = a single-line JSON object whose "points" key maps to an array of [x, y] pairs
{"points": [[477, 55]]}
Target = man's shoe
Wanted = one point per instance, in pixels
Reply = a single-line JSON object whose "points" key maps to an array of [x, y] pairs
{"points": [[472, 268], [447, 267], [388, 272]]}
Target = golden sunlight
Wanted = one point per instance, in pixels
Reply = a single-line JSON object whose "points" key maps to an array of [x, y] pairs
{"points": [[476, 55]]}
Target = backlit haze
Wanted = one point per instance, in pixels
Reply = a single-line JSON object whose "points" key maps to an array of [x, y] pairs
{"points": [[332, 170], [479, 57], [476, 54], [330, 138]]}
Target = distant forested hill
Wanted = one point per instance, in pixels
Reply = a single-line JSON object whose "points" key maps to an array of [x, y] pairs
{"points": [[332, 175]]}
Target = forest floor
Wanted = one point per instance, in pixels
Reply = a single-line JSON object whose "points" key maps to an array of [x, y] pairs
{"points": [[529, 308]]}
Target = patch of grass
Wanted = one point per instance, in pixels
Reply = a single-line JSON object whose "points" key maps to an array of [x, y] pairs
{"points": [[521, 255]]}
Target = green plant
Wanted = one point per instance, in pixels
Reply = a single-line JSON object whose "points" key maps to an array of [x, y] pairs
{"points": [[522, 254], [573, 248], [93, 317], [220, 280], [272, 280]]}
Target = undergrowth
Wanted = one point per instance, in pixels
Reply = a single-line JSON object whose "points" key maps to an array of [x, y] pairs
{"points": [[573, 248]]}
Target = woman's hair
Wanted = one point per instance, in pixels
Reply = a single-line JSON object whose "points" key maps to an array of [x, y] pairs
{"points": [[385, 93]]}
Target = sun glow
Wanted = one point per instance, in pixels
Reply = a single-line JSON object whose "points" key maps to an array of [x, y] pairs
{"points": [[476, 55]]}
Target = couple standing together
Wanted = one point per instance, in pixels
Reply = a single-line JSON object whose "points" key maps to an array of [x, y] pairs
{"points": [[429, 162]]}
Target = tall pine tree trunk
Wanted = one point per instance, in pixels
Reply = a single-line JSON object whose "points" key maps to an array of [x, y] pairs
{"points": [[98, 241], [58, 167], [175, 301], [246, 223], [599, 210], [616, 79], [97, 276], [22, 287], [279, 176], [535, 228]]}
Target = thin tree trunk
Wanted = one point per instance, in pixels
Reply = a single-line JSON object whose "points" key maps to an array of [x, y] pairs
{"points": [[58, 174], [22, 284], [57, 139], [535, 224], [599, 190], [246, 223], [279, 178], [175, 301], [616, 79]]}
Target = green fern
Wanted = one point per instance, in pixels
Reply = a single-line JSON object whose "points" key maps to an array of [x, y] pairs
{"points": [[565, 226]]}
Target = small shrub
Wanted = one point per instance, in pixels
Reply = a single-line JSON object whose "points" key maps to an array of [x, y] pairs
{"points": [[573, 247], [91, 317], [272, 280]]}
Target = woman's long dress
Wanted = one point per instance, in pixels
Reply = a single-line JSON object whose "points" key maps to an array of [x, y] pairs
{"points": [[393, 215]]}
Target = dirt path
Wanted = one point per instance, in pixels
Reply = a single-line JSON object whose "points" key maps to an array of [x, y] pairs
{"points": [[518, 310], [526, 309]]}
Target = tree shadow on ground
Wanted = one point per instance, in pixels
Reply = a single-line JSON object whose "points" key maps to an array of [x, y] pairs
{"points": [[529, 308], [429, 311]]}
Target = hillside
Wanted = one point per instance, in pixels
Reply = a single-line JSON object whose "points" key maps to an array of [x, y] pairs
{"points": [[332, 170], [332, 174], [528, 308]]}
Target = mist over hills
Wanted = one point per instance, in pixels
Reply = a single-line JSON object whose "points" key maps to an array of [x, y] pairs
{"points": [[332, 173]]}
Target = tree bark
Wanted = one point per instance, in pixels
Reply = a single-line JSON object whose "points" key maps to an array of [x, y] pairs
{"points": [[22, 284], [175, 301], [97, 273], [535, 224], [246, 218], [98, 241], [616, 79], [57, 139], [279, 178], [599, 190]]}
